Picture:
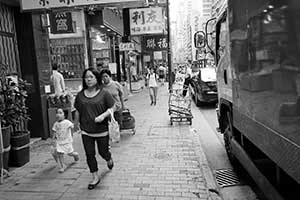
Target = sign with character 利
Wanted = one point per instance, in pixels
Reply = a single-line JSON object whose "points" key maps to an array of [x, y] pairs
{"points": [[146, 21]]}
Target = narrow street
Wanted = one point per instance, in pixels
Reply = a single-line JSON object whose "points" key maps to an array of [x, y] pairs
{"points": [[159, 162], [241, 55]]}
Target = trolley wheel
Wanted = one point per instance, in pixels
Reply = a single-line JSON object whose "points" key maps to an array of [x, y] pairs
{"points": [[171, 122], [191, 122], [133, 131]]}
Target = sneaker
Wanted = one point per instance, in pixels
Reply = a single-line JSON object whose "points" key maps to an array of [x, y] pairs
{"points": [[110, 164]]}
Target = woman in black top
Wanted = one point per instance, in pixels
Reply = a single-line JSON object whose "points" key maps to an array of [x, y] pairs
{"points": [[92, 104]]}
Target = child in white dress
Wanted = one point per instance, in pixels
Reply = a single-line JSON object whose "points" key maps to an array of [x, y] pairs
{"points": [[63, 139]]}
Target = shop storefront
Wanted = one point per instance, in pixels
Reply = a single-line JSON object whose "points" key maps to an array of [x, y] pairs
{"points": [[105, 33], [23, 47], [73, 50], [68, 46], [155, 50]]}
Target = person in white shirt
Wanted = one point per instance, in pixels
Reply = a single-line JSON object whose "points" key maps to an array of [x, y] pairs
{"points": [[153, 86], [57, 80]]}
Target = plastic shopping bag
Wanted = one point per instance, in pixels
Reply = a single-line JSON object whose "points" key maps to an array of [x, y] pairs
{"points": [[113, 128]]}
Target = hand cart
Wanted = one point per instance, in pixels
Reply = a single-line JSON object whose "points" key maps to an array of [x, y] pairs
{"points": [[128, 122], [179, 107]]}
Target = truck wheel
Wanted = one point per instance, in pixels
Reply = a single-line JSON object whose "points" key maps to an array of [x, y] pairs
{"points": [[228, 134]]}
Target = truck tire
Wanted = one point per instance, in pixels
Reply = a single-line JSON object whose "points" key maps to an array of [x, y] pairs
{"points": [[228, 134]]}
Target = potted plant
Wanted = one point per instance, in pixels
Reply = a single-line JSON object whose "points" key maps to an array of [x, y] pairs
{"points": [[4, 119], [14, 117], [18, 118]]}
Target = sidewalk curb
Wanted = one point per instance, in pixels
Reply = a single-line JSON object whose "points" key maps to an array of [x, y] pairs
{"points": [[34, 140], [213, 189]]}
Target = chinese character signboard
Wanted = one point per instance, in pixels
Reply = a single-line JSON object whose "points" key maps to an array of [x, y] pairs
{"points": [[47, 4], [128, 46], [146, 21], [155, 43], [61, 22]]}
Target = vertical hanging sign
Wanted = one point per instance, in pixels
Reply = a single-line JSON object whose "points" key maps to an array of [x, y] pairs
{"points": [[61, 22]]}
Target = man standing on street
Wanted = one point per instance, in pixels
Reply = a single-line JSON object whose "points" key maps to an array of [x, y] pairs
{"points": [[57, 80]]}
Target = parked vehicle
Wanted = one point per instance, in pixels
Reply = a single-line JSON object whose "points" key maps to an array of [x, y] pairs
{"points": [[258, 78], [203, 86]]}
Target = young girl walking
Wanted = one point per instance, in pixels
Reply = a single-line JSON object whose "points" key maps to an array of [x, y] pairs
{"points": [[63, 139]]}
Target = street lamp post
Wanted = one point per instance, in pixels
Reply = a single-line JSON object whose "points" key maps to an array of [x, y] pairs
{"points": [[169, 47]]}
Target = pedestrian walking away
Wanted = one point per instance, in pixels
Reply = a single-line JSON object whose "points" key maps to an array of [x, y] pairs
{"points": [[92, 105], [57, 80], [153, 86], [116, 91], [63, 139]]}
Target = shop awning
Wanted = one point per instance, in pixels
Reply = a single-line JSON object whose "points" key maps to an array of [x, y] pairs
{"points": [[31, 5]]}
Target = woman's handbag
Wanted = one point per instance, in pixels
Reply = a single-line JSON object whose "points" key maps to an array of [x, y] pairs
{"points": [[113, 128]]}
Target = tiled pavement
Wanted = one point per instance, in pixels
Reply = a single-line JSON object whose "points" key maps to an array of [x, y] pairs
{"points": [[158, 162]]}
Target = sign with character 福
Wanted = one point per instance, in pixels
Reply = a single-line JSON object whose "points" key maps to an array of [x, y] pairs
{"points": [[155, 43]]}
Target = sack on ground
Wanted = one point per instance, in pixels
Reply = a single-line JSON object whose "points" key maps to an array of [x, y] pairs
{"points": [[113, 128]]}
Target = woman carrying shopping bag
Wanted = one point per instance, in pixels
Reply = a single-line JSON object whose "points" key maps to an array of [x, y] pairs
{"points": [[92, 105]]}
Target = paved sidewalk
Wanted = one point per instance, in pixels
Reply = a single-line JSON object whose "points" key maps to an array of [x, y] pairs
{"points": [[158, 162]]}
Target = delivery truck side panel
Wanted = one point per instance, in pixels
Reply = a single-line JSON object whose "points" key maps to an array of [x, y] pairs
{"points": [[264, 44]]}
